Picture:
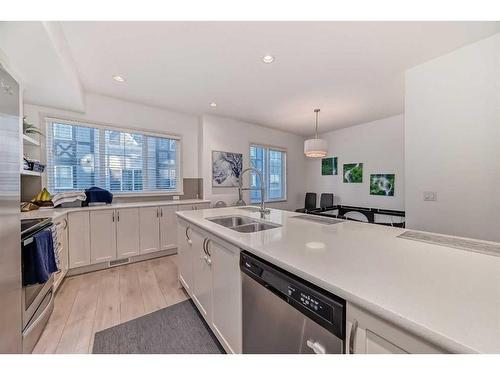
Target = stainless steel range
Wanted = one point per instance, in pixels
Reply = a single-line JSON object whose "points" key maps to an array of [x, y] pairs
{"points": [[37, 299]]}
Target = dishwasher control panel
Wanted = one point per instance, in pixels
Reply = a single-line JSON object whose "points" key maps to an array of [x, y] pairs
{"points": [[310, 302]]}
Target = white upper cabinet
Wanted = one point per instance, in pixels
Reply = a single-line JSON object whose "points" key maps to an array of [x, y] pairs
{"points": [[168, 227], [79, 239], [149, 218], [102, 236], [127, 232]]}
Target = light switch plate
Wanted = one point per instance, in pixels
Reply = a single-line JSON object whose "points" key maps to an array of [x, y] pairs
{"points": [[430, 196]]}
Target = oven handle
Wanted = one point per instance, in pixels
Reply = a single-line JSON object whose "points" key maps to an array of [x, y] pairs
{"points": [[28, 241]]}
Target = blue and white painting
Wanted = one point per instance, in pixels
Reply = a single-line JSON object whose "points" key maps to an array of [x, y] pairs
{"points": [[226, 168]]}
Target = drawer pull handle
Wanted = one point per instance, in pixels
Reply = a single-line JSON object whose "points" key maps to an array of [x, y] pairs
{"points": [[206, 247]]}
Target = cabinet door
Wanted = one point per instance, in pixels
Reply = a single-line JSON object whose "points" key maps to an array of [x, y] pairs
{"points": [[226, 284], [185, 256], [202, 276], [127, 232], [149, 230], [79, 239], [168, 227], [373, 335], [102, 236]]}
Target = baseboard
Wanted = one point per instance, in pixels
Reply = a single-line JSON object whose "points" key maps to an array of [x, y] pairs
{"points": [[104, 265]]}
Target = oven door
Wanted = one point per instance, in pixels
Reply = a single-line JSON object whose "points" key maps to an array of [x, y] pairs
{"points": [[33, 296]]}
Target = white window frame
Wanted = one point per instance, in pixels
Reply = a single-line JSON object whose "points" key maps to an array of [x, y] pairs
{"points": [[266, 168], [180, 188]]}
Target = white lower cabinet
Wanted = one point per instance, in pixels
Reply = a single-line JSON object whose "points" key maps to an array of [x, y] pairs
{"points": [[209, 271], [149, 229], [79, 239], [369, 334], [168, 227], [202, 275], [127, 232], [102, 236], [226, 291], [185, 256]]}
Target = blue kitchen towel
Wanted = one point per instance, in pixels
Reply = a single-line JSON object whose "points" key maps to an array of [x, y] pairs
{"points": [[39, 259], [95, 194]]}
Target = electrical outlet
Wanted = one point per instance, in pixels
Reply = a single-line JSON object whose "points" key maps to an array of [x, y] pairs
{"points": [[175, 197], [430, 196]]}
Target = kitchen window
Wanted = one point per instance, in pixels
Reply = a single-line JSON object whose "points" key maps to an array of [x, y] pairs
{"points": [[271, 161], [80, 156]]}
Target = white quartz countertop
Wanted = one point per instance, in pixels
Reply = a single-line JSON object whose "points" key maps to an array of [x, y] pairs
{"points": [[447, 296], [54, 213]]}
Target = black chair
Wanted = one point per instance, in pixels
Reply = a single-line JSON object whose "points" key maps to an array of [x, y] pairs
{"points": [[326, 201], [309, 204]]}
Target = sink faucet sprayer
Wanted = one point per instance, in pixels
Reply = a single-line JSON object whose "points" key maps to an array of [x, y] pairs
{"points": [[262, 189]]}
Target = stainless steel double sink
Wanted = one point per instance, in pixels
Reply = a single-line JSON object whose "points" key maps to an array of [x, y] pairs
{"points": [[243, 224]]}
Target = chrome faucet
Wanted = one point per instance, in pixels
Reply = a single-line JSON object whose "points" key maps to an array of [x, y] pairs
{"points": [[263, 210]]}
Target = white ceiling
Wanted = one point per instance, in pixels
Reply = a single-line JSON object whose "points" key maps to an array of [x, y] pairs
{"points": [[40, 55], [353, 71]]}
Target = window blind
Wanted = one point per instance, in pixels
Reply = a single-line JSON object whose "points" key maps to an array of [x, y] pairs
{"points": [[80, 156], [272, 163]]}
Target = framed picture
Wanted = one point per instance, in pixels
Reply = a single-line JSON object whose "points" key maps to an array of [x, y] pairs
{"points": [[353, 173], [329, 166], [382, 184], [226, 168]]}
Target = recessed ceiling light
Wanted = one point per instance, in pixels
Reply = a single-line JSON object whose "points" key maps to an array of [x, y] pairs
{"points": [[268, 59], [118, 78], [213, 104]]}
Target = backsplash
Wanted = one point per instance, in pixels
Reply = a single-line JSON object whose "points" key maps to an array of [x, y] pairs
{"points": [[193, 189]]}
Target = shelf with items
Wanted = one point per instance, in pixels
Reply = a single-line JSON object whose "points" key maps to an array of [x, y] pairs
{"points": [[26, 172], [29, 141]]}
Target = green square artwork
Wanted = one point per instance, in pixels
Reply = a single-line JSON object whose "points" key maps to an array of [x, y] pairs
{"points": [[382, 184], [353, 173], [329, 166]]}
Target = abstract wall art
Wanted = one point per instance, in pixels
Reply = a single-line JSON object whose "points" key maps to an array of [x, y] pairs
{"points": [[329, 166], [382, 184], [353, 173], [226, 168]]}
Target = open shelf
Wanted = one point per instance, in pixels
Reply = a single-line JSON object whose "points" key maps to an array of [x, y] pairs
{"points": [[27, 140], [30, 173]]}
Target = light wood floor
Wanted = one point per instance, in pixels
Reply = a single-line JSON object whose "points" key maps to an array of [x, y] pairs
{"points": [[98, 300]]}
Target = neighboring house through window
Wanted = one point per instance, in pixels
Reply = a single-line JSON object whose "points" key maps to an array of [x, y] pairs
{"points": [[81, 155], [271, 162]]}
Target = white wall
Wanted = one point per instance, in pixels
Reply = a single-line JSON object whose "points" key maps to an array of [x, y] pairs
{"points": [[379, 145], [111, 111], [225, 134], [452, 141]]}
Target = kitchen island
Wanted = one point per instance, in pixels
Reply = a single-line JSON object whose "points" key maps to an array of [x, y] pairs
{"points": [[421, 297]]}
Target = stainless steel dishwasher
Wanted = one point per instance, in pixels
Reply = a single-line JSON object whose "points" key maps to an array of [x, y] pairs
{"points": [[285, 314]]}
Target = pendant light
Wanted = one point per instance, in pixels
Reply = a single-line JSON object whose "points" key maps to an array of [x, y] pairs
{"points": [[316, 147]]}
